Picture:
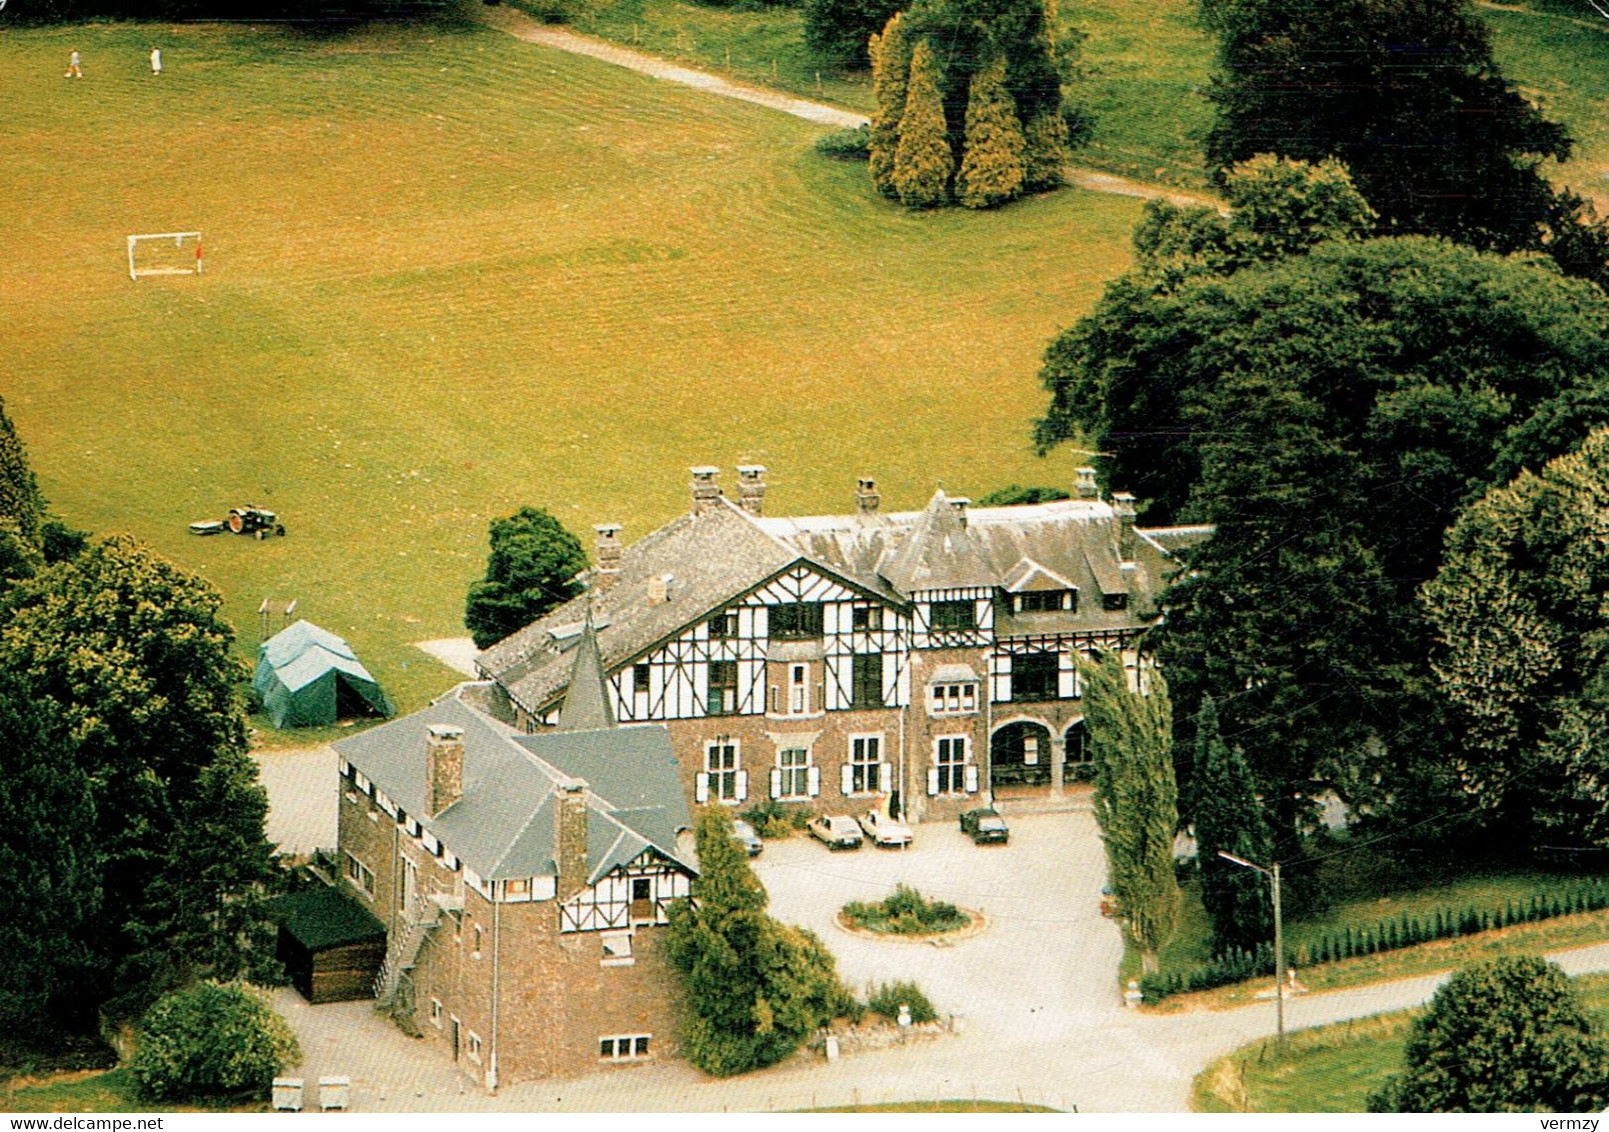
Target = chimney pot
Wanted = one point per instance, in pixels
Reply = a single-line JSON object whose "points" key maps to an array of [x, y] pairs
{"points": [[1086, 487], [958, 504], [444, 767], [608, 549], [1123, 509], [867, 499], [706, 491], [751, 488]]}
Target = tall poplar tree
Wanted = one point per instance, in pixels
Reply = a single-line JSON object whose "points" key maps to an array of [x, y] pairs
{"points": [[1136, 796], [992, 172], [1229, 818], [923, 162]]}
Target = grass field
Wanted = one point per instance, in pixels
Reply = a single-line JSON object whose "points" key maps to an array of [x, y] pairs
{"points": [[448, 274], [94, 1091], [1331, 1068]]}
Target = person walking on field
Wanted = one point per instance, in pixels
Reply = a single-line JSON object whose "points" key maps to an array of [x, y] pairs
{"points": [[73, 70], [156, 60]]}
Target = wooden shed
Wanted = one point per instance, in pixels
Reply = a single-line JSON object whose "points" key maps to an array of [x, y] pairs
{"points": [[332, 946]]}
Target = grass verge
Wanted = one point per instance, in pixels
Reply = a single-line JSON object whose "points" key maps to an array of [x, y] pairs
{"points": [[109, 1090]]}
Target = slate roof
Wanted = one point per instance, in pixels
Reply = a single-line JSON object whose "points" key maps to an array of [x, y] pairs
{"points": [[939, 553], [586, 706], [503, 826], [322, 916]]}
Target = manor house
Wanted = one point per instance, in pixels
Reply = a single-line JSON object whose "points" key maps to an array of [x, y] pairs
{"points": [[922, 659]]}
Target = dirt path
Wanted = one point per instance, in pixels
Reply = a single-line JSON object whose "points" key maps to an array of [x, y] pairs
{"points": [[525, 28]]}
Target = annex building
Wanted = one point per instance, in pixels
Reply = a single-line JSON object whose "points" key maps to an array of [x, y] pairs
{"points": [[831, 662]]}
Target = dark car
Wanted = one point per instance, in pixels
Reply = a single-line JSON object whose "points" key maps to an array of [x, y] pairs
{"points": [[985, 827]]}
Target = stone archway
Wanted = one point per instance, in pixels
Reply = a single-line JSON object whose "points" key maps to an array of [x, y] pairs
{"points": [[1021, 755]]}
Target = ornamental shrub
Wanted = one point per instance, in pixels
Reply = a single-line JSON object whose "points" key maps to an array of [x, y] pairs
{"points": [[850, 145], [886, 999], [211, 1040]]}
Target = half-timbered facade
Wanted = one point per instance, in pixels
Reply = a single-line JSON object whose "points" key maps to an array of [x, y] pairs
{"points": [[523, 879], [830, 661]]}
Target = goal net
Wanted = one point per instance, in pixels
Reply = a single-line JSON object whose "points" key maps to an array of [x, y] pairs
{"points": [[164, 253]]}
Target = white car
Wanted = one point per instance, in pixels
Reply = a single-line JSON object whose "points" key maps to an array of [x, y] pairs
{"points": [[838, 831], [885, 831]]}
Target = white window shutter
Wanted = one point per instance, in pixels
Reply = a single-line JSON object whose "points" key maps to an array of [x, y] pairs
{"points": [[815, 780], [972, 778], [846, 779], [885, 777], [932, 780], [776, 782], [701, 787], [742, 785]]}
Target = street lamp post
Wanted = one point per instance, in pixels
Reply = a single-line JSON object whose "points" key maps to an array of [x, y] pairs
{"points": [[1279, 943]]}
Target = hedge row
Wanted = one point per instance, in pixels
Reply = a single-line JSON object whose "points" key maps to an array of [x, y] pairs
{"points": [[1236, 964]]}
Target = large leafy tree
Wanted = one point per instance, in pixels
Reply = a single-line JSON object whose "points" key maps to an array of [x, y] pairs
{"points": [[755, 988], [839, 30], [1504, 1036], [1136, 796], [1406, 94], [532, 568], [1330, 414], [1522, 647], [130, 652], [1229, 818]]}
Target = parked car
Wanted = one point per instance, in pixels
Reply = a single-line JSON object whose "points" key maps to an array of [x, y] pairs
{"points": [[985, 826], [885, 831], [838, 831], [743, 833]]}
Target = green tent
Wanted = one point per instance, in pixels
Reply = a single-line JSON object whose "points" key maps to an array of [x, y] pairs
{"points": [[309, 677]]}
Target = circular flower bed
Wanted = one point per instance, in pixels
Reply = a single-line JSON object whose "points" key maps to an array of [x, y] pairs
{"points": [[905, 913]]}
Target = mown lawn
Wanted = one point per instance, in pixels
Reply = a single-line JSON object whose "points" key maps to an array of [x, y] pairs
{"points": [[1330, 1068], [96, 1091], [449, 273]]}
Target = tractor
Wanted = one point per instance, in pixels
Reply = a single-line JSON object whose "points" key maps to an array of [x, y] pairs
{"points": [[251, 520]]}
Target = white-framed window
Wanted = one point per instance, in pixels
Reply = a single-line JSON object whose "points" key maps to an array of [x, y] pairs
{"points": [[793, 776], [517, 891], [475, 939], [951, 773], [360, 874], [617, 949], [798, 689], [435, 1013], [953, 699], [866, 618], [723, 778], [866, 772], [624, 1047], [472, 1044]]}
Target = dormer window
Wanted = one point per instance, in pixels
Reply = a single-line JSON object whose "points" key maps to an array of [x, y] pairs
{"points": [[1114, 602], [796, 621], [1045, 601]]}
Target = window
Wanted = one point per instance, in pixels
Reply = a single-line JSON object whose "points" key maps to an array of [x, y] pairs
{"points": [[954, 699], [954, 616], [951, 757], [796, 621], [435, 1013], [798, 689], [474, 1046], [866, 618], [1045, 600], [475, 941], [723, 687], [617, 949], [867, 691], [1077, 744], [1034, 676], [626, 1047], [517, 890], [360, 874], [862, 775], [1114, 601], [793, 767], [721, 770], [723, 625], [639, 678]]}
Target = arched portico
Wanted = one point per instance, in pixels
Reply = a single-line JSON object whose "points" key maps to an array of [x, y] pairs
{"points": [[1022, 754]]}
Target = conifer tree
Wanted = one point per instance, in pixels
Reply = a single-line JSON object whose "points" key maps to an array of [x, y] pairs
{"points": [[20, 498], [891, 67], [992, 169], [1229, 818], [1136, 796], [1046, 152], [923, 162]]}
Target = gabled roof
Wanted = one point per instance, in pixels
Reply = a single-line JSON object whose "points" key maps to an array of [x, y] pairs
{"points": [[1028, 576], [503, 825], [938, 554]]}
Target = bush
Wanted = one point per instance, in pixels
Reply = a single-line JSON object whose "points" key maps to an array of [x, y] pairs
{"points": [[854, 144], [772, 820], [887, 998], [906, 912], [211, 1040]]}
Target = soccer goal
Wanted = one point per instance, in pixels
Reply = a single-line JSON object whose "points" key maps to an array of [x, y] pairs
{"points": [[164, 253]]}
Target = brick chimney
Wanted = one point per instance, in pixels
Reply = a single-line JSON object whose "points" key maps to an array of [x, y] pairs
{"points": [[751, 488], [444, 767], [1086, 487], [570, 836], [958, 504], [867, 500], [1123, 509], [705, 488], [609, 548]]}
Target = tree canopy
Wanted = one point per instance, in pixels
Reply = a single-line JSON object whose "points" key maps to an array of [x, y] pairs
{"points": [[1228, 818], [1522, 647], [1504, 1036], [839, 30], [532, 568], [212, 1040]]}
